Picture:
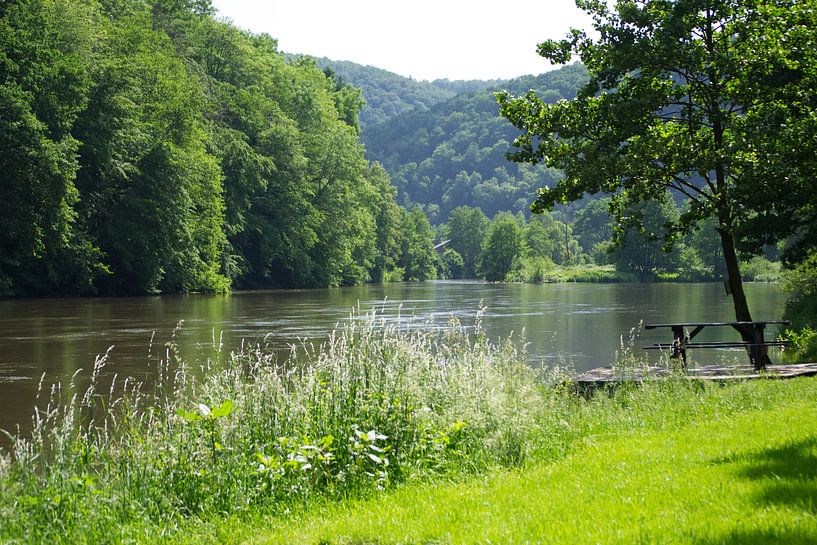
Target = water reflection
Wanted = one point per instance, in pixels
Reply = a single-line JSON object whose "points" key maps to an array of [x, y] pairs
{"points": [[577, 324]]}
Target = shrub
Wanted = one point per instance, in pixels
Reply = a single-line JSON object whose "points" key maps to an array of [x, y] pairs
{"points": [[760, 269]]}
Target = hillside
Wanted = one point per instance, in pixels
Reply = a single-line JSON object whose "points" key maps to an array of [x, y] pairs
{"points": [[388, 94], [453, 152]]}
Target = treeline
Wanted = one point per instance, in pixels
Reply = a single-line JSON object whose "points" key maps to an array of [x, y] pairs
{"points": [[147, 146], [509, 247]]}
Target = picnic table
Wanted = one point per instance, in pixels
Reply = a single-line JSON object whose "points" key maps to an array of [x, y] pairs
{"points": [[752, 338]]}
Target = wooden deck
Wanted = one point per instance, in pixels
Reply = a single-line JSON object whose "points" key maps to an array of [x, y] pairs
{"points": [[605, 375]]}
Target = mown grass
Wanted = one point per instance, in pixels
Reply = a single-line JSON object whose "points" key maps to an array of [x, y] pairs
{"points": [[379, 409], [748, 479]]}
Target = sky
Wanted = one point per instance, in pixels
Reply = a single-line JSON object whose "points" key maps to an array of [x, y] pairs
{"points": [[422, 39]]}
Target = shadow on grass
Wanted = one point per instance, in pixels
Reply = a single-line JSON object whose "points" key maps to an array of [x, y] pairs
{"points": [[761, 537], [784, 477]]}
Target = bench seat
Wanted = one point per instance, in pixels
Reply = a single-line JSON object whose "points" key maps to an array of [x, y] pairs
{"points": [[725, 344]]}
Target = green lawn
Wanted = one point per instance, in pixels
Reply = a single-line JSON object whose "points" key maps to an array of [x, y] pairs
{"points": [[744, 479]]}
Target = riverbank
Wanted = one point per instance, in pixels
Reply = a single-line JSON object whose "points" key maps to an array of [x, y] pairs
{"points": [[380, 412], [756, 270]]}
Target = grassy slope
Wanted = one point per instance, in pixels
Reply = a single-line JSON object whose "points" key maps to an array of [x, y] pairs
{"points": [[751, 478]]}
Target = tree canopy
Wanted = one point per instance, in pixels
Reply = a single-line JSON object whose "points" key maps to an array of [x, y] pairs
{"points": [[676, 103], [147, 146]]}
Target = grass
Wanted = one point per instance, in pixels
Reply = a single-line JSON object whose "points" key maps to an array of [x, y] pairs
{"points": [[746, 479], [589, 273], [391, 434], [534, 271]]}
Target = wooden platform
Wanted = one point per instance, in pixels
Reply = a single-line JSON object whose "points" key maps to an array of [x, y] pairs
{"points": [[605, 375]]}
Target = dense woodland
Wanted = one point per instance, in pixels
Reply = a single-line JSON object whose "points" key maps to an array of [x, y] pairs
{"points": [[388, 95], [148, 146], [453, 153], [450, 158]]}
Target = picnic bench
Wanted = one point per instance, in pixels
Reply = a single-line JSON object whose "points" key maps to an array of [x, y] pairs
{"points": [[757, 347]]}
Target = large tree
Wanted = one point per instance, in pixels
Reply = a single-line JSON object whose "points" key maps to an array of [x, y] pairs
{"points": [[666, 110]]}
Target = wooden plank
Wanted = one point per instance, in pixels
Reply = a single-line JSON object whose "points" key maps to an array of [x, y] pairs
{"points": [[717, 373], [716, 324], [719, 344]]}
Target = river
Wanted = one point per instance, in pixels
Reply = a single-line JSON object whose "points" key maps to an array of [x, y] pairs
{"points": [[577, 325]]}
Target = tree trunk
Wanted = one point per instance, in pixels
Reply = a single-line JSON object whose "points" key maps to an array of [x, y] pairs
{"points": [[735, 282], [733, 277]]}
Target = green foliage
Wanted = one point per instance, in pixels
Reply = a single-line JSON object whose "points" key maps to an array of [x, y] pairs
{"points": [[466, 229], [801, 283], [532, 269], [641, 247], [453, 265], [549, 238], [387, 95], [46, 50], [680, 99], [417, 257], [803, 344], [760, 269], [151, 147], [452, 154], [593, 223], [502, 248]]}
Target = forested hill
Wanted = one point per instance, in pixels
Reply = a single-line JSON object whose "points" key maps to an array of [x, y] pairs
{"points": [[388, 94], [453, 153], [148, 146]]}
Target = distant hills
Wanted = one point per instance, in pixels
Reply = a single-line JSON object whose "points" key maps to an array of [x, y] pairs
{"points": [[443, 142], [388, 94]]}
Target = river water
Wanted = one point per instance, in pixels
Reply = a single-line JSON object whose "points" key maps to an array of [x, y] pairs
{"points": [[579, 325]]}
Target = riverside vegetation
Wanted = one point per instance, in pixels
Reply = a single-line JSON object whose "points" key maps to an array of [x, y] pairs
{"points": [[252, 442]]}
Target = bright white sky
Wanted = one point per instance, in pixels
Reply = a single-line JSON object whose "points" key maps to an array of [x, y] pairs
{"points": [[424, 39]]}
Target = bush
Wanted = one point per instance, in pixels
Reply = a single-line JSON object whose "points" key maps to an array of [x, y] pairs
{"points": [[801, 283], [801, 307], [531, 269], [760, 269]]}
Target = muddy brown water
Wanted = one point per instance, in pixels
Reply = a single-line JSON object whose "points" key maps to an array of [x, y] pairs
{"points": [[579, 325]]}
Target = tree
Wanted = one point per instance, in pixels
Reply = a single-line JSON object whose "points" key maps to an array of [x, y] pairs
{"points": [[504, 244], [417, 258], [592, 223], [387, 224], [641, 246], [665, 110], [551, 238], [452, 264], [466, 231], [151, 195], [778, 77], [45, 50]]}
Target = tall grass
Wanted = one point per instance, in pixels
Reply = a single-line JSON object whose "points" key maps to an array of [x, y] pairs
{"points": [[376, 404]]}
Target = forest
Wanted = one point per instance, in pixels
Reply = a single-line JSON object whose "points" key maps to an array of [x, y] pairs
{"points": [[453, 153], [148, 146], [151, 147]]}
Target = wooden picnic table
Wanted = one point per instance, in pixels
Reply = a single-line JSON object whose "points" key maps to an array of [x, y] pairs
{"points": [[752, 338]]}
